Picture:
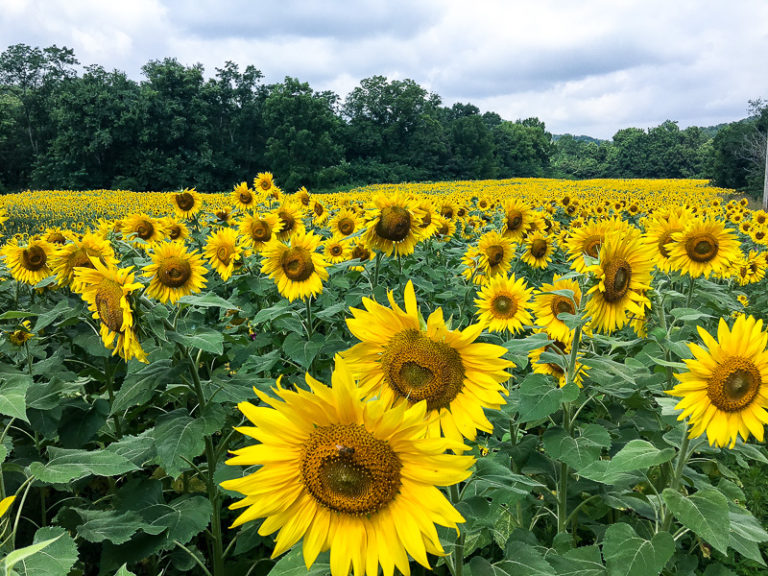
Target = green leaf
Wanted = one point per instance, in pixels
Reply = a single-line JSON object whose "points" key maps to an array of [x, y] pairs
{"points": [[15, 314], [639, 455], [328, 312], [67, 465], [297, 348], [265, 314], [117, 527], [705, 513], [123, 571], [178, 437], [184, 518], [139, 386], [576, 452], [206, 339], [540, 396], [207, 300], [22, 554], [688, 314], [524, 560], [47, 395], [627, 554], [46, 319], [292, 564], [584, 561], [55, 559], [746, 532], [13, 393], [138, 449]]}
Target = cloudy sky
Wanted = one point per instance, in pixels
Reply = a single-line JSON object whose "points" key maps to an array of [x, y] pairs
{"points": [[582, 66]]}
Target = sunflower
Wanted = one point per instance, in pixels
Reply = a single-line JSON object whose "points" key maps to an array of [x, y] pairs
{"points": [[344, 223], [538, 250], [659, 233], [78, 254], [174, 272], [337, 249], [243, 197], [555, 369], [624, 274], [495, 254], [403, 363], [264, 183], [28, 263], [319, 213], [290, 220], [517, 219], [444, 228], [704, 247], [144, 229], [750, 269], [725, 390], [547, 306], [258, 229], [298, 270], [22, 335], [57, 236], [174, 229], [106, 290], [504, 304], [187, 203], [394, 225], [585, 239], [303, 197], [222, 251], [429, 218], [353, 476], [360, 253]]}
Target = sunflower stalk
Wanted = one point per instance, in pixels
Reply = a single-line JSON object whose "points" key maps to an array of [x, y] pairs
{"points": [[663, 325], [212, 488], [682, 460], [691, 285], [111, 393], [458, 552], [308, 303]]}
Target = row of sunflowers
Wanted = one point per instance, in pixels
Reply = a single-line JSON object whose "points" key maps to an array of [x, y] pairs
{"points": [[470, 377]]}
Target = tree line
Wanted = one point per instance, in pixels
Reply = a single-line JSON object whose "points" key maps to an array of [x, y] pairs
{"points": [[61, 128]]}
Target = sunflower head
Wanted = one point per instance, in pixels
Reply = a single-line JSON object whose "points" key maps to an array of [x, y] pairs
{"points": [[394, 226], [504, 304], [243, 197], [174, 272], [723, 392], [223, 251], [187, 202], [297, 269], [703, 247], [28, 262]]}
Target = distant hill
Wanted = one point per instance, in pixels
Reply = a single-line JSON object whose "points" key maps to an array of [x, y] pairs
{"points": [[580, 138]]}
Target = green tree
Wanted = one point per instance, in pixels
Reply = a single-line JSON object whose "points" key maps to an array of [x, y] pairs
{"points": [[522, 149]]}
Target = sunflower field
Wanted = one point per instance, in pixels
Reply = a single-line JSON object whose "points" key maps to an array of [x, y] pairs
{"points": [[489, 378]]}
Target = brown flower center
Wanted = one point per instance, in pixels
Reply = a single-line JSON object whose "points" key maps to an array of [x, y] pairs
{"points": [[297, 264], [185, 201], [426, 220], [394, 223], [224, 254], [495, 254], [245, 197], [702, 247], [361, 253], [538, 248], [562, 305], [145, 230], [34, 258], [418, 368], [108, 296], [502, 306], [336, 250], [663, 241], [265, 184], [346, 226], [447, 212], [347, 469], [514, 220], [260, 230], [591, 245], [174, 232], [289, 222], [56, 238], [618, 274], [174, 272], [734, 384], [318, 209]]}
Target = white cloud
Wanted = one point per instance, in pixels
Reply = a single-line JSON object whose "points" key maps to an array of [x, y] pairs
{"points": [[588, 67]]}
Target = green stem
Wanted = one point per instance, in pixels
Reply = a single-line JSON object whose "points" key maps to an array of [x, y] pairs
{"points": [[562, 480], [111, 394], [458, 553], [309, 317], [663, 324], [213, 493], [376, 270], [29, 358], [691, 284], [682, 459]]}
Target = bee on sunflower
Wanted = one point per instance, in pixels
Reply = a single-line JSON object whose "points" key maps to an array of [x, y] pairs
{"points": [[174, 272], [106, 290], [223, 251], [404, 363], [28, 262], [504, 304], [187, 203], [297, 269], [724, 391], [333, 471]]}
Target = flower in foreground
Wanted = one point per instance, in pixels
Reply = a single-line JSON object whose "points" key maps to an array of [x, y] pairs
{"points": [[356, 477], [725, 390], [30, 262], [298, 269], [402, 362]]}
